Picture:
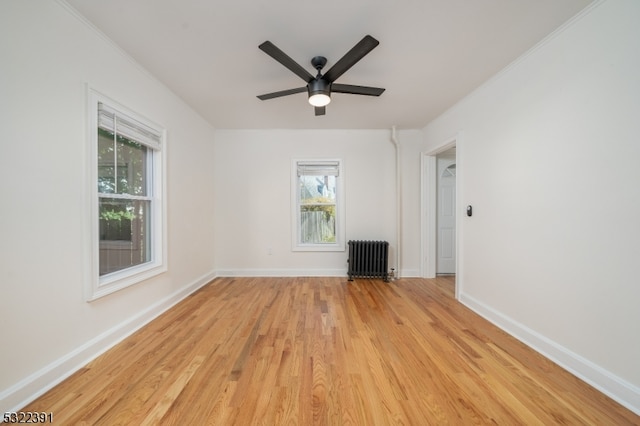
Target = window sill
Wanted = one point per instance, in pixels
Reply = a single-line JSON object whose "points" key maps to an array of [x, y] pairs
{"points": [[116, 281]]}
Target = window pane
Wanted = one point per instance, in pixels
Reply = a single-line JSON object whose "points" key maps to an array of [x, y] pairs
{"points": [[128, 174], [317, 224], [317, 189], [106, 161], [124, 234], [131, 167]]}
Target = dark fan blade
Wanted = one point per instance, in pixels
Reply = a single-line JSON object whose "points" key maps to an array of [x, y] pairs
{"points": [[277, 54], [356, 90], [321, 110], [366, 45], [282, 93]]}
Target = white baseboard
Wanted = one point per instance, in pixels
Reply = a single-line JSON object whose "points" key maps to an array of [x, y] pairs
{"points": [[409, 273], [337, 272], [611, 385], [282, 272], [28, 389]]}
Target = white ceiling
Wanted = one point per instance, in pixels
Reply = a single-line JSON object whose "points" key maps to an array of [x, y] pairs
{"points": [[431, 53]]}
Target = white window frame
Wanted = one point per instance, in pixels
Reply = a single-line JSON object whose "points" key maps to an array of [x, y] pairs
{"points": [[98, 286], [296, 244]]}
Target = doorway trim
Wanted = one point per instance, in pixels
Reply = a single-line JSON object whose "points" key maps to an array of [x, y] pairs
{"points": [[428, 209]]}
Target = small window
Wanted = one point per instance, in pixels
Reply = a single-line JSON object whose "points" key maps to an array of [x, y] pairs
{"points": [[126, 158], [318, 204]]}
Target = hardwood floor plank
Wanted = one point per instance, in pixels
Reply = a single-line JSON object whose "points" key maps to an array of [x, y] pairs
{"points": [[325, 351]]}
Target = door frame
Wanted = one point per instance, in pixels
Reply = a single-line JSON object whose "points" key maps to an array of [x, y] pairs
{"points": [[428, 209]]}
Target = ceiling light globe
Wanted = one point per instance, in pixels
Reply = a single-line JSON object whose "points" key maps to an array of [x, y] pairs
{"points": [[319, 99]]}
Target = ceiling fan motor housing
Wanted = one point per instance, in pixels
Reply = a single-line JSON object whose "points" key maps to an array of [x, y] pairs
{"points": [[319, 86]]}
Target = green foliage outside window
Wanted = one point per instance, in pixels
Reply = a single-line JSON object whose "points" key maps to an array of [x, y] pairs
{"points": [[116, 215]]}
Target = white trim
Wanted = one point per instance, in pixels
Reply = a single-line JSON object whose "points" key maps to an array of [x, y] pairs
{"points": [[332, 272], [28, 389], [409, 273], [96, 286], [606, 382], [318, 247], [461, 214], [340, 244], [335, 272]]}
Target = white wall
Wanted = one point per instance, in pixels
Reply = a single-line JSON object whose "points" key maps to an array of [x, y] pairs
{"points": [[550, 164], [253, 195], [46, 328]]}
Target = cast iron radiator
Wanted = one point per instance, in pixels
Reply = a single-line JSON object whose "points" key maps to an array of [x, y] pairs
{"points": [[368, 259]]}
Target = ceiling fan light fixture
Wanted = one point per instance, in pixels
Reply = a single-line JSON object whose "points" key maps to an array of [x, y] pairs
{"points": [[319, 99], [319, 92]]}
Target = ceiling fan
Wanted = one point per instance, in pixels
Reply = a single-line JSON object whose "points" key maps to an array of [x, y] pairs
{"points": [[321, 86]]}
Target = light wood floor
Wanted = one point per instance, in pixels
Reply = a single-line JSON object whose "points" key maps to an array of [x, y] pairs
{"points": [[306, 351]]}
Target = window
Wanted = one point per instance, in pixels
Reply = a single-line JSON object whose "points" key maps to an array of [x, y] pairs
{"points": [[126, 158], [317, 197]]}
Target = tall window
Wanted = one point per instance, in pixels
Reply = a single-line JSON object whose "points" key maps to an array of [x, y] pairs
{"points": [[318, 205], [127, 158]]}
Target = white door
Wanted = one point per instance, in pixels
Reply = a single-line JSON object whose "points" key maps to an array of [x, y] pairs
{"points": [[446, 217]]}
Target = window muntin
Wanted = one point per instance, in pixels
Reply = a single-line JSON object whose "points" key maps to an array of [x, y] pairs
{"points": [[318, 221], [128, 214]]}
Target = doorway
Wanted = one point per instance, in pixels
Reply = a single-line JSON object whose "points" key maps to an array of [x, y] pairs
{"points": [[429, 210]]}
